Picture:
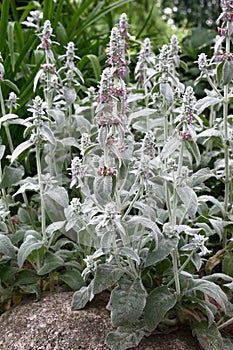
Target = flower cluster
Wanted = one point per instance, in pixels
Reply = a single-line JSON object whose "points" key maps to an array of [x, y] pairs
{"points": [[108, 111], [164, 59], [145, 64], [46, 42], [70, 64], [116, 54], [84, 143], [226, 5], [184, 135], [77, 170], [123, 27], [148, 144], [175, 50], [38, 110], [11, 103], [48, 67], [38, 119], [2, 69], [188, 108], [76, 205], [34, 20], [105, 171], [226, 30], [225, 57], [202, 62], [106, 88], [187, 115]]}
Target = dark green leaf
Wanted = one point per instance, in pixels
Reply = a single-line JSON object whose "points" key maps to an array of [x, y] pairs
{"points": [[95, 65], [72, 278], [11, 85], [51, 262], [26, 277], [209, 337], [227, 264]]}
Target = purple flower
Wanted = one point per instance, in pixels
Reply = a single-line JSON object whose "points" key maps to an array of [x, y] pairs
{"points": [[116, 55], [46, 42], [105, 171]]}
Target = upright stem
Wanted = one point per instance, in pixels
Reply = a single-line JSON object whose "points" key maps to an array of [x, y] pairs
{"points": [[8, 134], [42, 204], [226, 149], [175, 253], [4, 196], [28, 210]]}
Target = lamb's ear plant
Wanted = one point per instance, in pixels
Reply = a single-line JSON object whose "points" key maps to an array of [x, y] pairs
{"points": [[137, 211]]}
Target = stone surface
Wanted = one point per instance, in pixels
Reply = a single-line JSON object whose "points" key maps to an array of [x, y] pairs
{"points": [[50, 324]]}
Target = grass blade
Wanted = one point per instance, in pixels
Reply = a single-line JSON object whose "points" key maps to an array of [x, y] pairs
{"points": [[4, 22], [47, 10]]}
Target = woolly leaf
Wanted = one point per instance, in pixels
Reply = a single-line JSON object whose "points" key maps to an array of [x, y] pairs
{"points": [[158, 303], [6, 246], [28, 246], [11, 176], [82, 297], [127, 302], [124, 338], [103, 189], [51, 263], [106, 276], [189, 198], [170, 147], [20, 149], [165, 246], [209, 337]]}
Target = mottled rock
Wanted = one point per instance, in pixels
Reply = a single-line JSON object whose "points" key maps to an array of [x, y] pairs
{"points": [[50, 324]]}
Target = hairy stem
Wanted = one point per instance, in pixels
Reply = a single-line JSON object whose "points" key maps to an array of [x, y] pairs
{"points": [[8, 134], [226, 150], [4, 197], [41, 189]]}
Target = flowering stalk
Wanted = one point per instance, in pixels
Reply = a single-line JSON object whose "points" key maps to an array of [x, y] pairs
{"points": [[7, 208], [226, 146], [37, 139], [8, 134], [226, 30], [145, 66], [70, 80]]}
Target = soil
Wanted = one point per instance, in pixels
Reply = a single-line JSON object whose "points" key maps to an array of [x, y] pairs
{"points": [[50, 324]]}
